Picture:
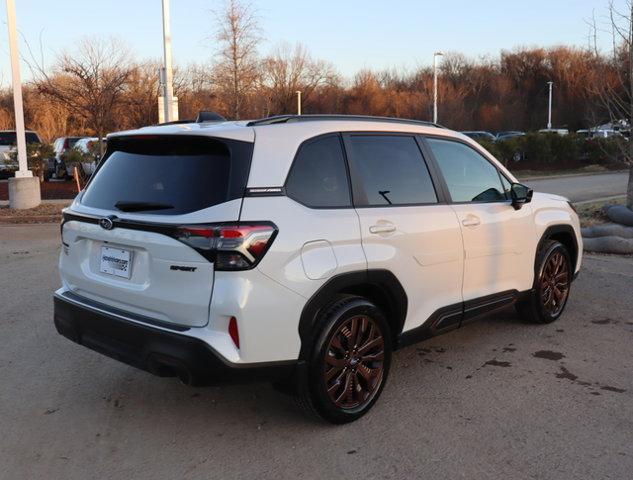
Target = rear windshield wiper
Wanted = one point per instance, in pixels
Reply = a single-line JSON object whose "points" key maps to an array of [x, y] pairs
{"points": [[126, 206]]}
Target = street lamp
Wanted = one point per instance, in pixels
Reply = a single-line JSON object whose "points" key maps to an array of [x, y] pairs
{"points": [[549, 110], [435, 55], [168, 92]]}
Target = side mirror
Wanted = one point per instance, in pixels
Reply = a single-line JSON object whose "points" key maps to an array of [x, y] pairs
{"points": [[520, 194]]}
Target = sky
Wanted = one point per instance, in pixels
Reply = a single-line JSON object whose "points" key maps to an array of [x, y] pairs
{"points": [[352, 34]]}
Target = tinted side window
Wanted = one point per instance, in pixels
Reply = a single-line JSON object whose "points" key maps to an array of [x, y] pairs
{"points": [[392, 170], [318, 177], [469, 176]]}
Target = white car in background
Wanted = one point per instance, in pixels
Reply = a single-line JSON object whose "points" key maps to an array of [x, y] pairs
{"points": [[556, 131], [302, 250], [600, 133], [89, 145], [8, 144]]}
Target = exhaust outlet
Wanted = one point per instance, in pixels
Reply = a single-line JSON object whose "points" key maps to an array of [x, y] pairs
{"points": [[164, 366]]}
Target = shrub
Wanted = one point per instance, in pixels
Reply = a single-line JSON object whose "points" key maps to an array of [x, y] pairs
{"points": [[549, 151], [604, 151], [37, 154]]}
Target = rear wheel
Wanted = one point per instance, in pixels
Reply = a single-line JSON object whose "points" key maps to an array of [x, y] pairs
{"points": [[350, 361], [552, 284]]}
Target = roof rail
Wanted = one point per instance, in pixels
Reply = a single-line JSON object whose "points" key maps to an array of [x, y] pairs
{"points": [[325, 117]]}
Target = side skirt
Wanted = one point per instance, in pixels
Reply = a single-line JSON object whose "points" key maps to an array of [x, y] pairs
{"points": [[454, 316]]}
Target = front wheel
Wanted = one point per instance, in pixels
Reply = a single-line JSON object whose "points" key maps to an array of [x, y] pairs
{"points": [[552, 284], [349, 362]]}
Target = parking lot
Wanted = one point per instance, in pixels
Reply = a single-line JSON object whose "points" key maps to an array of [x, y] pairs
{"points": [[496, 399]]}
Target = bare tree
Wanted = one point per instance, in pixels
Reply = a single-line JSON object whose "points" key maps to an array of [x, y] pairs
{"points": [[140, 98], [196, 92], [236, 71], [289, 70], [615, 91], [89, 81]]}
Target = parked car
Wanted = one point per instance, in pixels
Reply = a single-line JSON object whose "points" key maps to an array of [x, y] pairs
{"points": [[600, 133], [477, 135], [89, 147], [62, 144], [8, 145], [84, 144], [584, 133], [57, 166], [509, 134], [556, 131], [303, 250]]}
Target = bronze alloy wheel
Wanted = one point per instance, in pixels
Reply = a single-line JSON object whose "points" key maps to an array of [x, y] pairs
{"points": [[554, 283], [354, 362]]}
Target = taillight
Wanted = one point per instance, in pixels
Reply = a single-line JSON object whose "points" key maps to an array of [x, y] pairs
{"points": [[229, 246]]}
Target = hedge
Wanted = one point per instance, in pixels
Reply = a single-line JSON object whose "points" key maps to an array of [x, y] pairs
{"points": [[552, 151]]}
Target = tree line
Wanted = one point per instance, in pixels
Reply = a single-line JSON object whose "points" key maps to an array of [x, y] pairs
{"points": [[99, 86]]}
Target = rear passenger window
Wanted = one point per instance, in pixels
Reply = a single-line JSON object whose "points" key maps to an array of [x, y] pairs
{"points": [[392, 170], [469, 176], [318, 177]]}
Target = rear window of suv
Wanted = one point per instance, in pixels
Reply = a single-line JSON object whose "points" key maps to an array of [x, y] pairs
{"points": [[169, 175]]}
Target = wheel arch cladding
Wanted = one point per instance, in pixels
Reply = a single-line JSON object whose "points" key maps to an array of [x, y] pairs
{"points": [[564, 234], [381, 287]]}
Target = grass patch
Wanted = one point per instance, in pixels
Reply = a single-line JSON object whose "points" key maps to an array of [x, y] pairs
{"points": [[593, 213]]}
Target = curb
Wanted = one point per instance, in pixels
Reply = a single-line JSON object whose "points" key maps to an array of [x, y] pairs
{"points": [[601, 199], [53, 201], [30, 219]]}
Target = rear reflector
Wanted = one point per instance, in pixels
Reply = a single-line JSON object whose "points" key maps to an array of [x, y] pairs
{"points": [[233, 332]]}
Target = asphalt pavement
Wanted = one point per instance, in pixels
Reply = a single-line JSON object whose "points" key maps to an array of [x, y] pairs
{"points": [[579, 188], [497, 399]]}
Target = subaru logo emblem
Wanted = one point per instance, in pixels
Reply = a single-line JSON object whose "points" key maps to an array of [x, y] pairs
{"points": [[106, 223]]}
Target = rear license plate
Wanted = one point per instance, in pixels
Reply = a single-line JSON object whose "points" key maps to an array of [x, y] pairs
{"points": [[115, 261]]}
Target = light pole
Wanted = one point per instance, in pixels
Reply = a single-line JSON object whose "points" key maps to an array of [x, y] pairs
{"points": [[24, 189], [549, 110], [435, 55], [298, 102], [168, 93]]}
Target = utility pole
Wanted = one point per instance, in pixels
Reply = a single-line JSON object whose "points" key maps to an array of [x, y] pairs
{"points": [[298, 102], [435, 55], [549, 110], [24, 189], [17, 92], [168, 92]]}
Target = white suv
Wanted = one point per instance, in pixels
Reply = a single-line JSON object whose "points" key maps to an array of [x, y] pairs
{"points": [[302, 250]]}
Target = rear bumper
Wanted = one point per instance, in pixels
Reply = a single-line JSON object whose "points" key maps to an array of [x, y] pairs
{"points": [[156, 349]]}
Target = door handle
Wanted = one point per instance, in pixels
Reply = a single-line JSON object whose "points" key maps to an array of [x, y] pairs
{"points": [[383, 228], [471, 221]]}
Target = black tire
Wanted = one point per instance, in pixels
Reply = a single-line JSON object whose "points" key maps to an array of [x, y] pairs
{"points": [[544, 304], [365, 375]]}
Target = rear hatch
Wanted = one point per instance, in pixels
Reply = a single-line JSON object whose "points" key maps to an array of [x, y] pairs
{"points": [[121, 242]]}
